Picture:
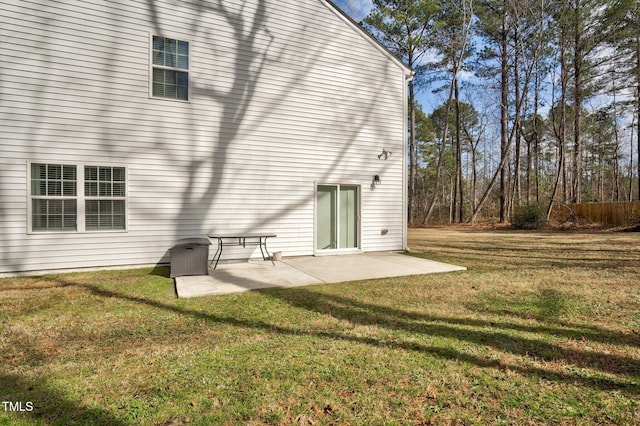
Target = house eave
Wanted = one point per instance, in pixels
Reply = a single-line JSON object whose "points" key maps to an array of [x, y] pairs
{"points": [[409, 73]]}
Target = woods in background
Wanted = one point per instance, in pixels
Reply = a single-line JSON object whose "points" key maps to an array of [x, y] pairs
{"points": [[540, 103]]}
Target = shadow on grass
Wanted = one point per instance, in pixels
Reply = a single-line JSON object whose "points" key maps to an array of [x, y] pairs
{"points": [[531, 251], [161, 271], [498, 335], [510, 260], [49, 405], [597, 370], [546, 306]]}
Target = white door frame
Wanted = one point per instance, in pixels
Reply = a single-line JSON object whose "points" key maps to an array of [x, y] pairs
{"points": [[324, 252]]}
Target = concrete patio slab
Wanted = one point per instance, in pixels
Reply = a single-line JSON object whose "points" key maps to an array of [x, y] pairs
{"points": [[334, 269], [237, 277], [306, 270]]}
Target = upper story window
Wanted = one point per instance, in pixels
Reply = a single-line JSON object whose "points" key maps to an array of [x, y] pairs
{"points": [[170, 68]]}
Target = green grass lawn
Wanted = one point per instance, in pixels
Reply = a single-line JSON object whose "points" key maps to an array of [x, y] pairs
{"points": [[542, 328]]}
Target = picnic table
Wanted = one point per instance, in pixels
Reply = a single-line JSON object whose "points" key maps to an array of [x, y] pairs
{"points": [[242, 239]]}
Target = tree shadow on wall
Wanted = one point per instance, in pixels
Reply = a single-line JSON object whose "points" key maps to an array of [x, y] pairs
{"points": [[257, 53]]}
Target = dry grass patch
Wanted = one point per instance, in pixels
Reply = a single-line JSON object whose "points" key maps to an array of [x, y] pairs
{"points": [[542, 328]]}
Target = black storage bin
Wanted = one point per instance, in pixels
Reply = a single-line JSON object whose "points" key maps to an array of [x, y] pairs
{"points": [[190, 257]]}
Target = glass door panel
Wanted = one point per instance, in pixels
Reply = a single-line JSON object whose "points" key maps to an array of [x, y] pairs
{"points": [[326, 225], [337, 225], [348, 223]]}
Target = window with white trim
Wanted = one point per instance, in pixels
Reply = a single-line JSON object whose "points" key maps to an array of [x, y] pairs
{"points": [[59, 204], [54, 204], [170, 68], [104, 191]]}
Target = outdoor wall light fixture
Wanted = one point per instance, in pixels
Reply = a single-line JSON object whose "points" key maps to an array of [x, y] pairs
{"points": [[384, 154], [376, 180]]}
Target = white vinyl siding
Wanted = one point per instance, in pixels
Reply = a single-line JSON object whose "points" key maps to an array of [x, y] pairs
{"points": [[283, 95]]}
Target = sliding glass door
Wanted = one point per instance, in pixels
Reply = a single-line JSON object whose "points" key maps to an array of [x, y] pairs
{"points": [[337, 214]]}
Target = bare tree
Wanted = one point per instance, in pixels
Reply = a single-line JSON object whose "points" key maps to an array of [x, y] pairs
{"points": [[452, 43], [406, 28]]}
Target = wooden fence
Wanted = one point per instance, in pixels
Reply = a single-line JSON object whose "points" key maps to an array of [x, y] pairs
{"points": [[616, 214]]}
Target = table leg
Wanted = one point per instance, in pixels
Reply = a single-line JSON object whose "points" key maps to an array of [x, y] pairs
{"points": [[266, 250], [218, 254]]}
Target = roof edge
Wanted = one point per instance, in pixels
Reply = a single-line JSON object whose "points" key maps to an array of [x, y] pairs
{"points": [[409, 72]]}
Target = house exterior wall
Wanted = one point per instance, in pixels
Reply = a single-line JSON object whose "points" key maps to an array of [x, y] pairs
{"points": [[284, 95]]}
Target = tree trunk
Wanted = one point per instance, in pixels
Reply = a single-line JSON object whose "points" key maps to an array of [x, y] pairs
{"points": [[630, 195], [637, 115], [412, 153], [504, 115], [443, 149], [515, 197], [460, 189], [561, 133], [474, 178], [576, 169], [616, 161]]}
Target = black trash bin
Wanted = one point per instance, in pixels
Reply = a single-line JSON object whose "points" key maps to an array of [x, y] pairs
{"points": [[190, 257]]}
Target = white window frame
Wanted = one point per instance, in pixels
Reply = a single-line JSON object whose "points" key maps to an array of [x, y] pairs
{"points": [[153, 66], [102, 198], [80, 199], [32, 197]]}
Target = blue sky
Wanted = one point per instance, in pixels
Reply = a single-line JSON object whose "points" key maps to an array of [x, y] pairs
{"points": [[359, 9], [482, 99]]}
